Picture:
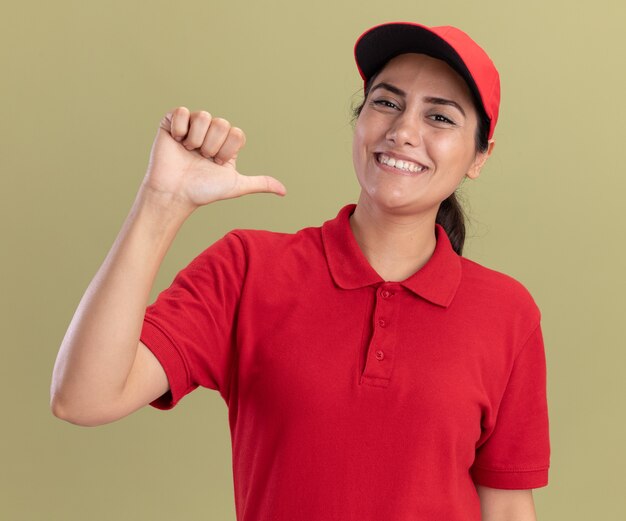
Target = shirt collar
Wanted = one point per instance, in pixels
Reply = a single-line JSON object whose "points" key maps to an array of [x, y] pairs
{"points": [[436, 281]]}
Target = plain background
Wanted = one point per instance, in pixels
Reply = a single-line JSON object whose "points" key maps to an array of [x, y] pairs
{"points": [[84, 86]]}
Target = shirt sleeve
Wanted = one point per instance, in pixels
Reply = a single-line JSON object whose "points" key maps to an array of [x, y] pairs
{"points": [[190, 327], [517, 453]]}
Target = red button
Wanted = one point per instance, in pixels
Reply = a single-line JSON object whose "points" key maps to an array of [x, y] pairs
{"points": [[380, 355], [385, 293], [382, 322]]}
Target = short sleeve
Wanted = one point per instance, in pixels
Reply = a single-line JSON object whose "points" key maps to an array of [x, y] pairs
{"points": [[190, 327], [517, 453]]}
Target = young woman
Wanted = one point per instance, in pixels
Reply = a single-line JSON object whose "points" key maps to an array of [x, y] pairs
{"points": [[370, 370]]}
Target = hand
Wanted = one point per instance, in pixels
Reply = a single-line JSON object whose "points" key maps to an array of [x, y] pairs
{"points": [[193, 161]]}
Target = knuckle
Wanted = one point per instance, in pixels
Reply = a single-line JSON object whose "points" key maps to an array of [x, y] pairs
{"points": [[239, 135], [203, 114], [221, 122]]}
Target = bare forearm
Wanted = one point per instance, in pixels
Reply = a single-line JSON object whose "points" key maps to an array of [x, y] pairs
{"points": [[100, 344], [506, 505]]}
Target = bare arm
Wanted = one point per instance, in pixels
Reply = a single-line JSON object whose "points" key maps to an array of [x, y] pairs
{"points": [[102, 371], [506, 505], [101, 343]]}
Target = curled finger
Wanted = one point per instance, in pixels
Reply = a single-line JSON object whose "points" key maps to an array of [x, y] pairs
{"points": [[234, 142], [199, 124], [180, 123], [215, 137]]}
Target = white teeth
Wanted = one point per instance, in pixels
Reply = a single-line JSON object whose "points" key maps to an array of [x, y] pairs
{"points": [[407, 166]]}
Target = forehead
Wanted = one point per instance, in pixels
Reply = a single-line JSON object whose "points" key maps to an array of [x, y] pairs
{"points": [[419, 70]]}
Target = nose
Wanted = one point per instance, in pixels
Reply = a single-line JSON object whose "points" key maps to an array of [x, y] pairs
{"points": [[405, 130]]}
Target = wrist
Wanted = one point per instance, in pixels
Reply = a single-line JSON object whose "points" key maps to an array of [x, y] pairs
{"points": [[163, 205]]}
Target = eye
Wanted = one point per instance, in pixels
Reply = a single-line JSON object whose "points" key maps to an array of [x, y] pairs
{"points": [[385, 103], [442, 119]]}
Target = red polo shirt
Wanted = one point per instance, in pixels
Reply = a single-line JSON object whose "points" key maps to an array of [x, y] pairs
{"points": [[353, 398]]}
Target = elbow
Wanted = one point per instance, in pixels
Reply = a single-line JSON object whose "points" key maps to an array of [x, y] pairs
{"points": [[74, 415], [61, 411]]}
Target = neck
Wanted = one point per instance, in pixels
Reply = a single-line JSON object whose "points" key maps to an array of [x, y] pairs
{"points": [[395, 245]]}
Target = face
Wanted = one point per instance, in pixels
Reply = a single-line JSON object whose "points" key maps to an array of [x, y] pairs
{"points": [[414, 140]]}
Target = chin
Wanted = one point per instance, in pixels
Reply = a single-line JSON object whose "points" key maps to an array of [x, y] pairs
{"points": [[396, 204]]}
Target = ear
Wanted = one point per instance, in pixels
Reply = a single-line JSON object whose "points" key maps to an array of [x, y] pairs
{"points": [[480, 160]]}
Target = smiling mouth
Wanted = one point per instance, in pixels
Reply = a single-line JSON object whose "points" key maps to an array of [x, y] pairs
{"points": [[400, 165]]}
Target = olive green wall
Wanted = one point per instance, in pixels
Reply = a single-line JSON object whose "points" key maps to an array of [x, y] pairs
{"points": [[83, 88]]}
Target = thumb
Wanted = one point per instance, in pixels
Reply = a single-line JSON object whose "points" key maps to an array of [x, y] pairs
{"points": [[250, 184]]}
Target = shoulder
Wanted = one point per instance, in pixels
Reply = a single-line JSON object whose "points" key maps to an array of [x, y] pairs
{"points": [[479, 273], [257, 241], [277, 258], [242, 246], [496, 291]]}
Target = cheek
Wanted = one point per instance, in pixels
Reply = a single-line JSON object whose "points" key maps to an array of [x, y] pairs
{"points": [[358, 144], [355, 144], [455, 152], [360, 158]]}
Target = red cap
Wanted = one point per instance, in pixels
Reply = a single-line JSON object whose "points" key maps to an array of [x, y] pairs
{"points": [[379, 44]]}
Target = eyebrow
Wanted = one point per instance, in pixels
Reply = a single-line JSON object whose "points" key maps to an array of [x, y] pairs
{"points": [[428, 99]]}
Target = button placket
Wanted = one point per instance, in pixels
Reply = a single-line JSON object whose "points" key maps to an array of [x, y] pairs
{"points": [[380, 356]]}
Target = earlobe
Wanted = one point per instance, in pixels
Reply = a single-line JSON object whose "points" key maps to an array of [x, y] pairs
{"points": [[481, 159]]}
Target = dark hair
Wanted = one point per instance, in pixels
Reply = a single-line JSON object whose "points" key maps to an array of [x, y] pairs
{"points": [[450, 214]]}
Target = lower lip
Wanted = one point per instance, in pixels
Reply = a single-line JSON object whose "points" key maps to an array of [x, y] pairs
{"points": [[393, 170]]}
